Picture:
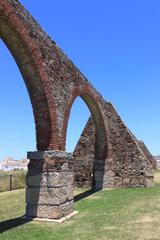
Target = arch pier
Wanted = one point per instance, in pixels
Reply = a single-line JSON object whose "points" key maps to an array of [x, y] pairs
{"points": [[49, 180]]}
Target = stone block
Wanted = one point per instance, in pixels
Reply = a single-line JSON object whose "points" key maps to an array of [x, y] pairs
{"points": [[56, 154], [126, 182], [149, 172], [50, 185], [50, 179], [49, 211], [149, 182], [49, 196], [118, 182]]}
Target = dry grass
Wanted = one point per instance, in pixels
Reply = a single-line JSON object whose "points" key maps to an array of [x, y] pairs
{"points": [[124, 214], [157, 176], [18, 180]]}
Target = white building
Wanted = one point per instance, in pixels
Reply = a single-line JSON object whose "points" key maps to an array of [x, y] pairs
{"points": [[9, 164]]}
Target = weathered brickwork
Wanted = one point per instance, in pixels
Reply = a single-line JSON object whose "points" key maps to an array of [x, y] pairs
{"points": [[131, 163], [53, 84], [57, 82]]}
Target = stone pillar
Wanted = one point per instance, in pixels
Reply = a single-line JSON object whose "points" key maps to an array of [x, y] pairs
{"points": [[49, 192], [103, 174]]}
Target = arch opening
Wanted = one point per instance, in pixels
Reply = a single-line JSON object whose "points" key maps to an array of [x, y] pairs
{"points": [[77, 120], [91, 150]]}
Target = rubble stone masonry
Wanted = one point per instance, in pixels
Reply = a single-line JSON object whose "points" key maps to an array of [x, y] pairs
{"points": [[131, 164]]}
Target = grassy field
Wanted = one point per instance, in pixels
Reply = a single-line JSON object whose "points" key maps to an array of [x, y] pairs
{"points": [[124, 214], [18, 180]]}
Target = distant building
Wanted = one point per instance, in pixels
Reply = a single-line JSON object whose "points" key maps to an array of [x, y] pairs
{"points": [[158, 160], [9, 164]]}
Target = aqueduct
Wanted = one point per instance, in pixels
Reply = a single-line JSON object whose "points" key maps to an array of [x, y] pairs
{"points": [[53, 83]]}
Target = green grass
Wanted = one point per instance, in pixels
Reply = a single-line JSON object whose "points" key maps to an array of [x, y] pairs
{"points": [[124, 214]]}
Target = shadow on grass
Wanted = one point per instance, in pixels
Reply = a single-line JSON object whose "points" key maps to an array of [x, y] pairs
{"points": [[82, 195], [12, 223]]}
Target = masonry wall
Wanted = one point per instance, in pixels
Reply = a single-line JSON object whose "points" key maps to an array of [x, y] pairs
{"points": [[131, 167], [63, 75], [84, 155], [147, 154]]}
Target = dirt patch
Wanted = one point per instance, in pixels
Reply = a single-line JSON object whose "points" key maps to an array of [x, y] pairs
{"points": [[93, 197], [145, 219], [110, 228], [157, 177]]}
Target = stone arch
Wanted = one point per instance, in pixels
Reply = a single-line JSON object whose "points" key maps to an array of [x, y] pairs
{"points": [[28, 57], [94, 104]]}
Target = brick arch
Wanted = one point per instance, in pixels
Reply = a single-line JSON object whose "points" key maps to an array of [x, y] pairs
{"points": [[93, 101], [27, 55]]}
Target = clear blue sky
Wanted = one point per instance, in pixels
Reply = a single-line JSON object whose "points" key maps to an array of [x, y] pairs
{"points": [[116, 44]]}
